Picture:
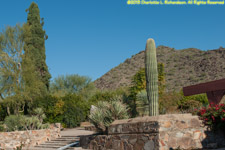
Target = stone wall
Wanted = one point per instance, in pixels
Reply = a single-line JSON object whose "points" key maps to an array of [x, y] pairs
{"points": [[88, 126], [30, 138], [164, 132]]}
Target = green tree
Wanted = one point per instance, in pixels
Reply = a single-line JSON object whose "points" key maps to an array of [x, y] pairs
{"points": [[68, 84], [11, 51], [19, 82], [33, 87], [34, 46]]}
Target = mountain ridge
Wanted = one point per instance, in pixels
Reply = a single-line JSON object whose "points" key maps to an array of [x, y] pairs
{"points": [[182, 67]]}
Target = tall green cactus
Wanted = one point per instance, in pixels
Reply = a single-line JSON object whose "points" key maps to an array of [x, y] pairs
{"points": [[151, 73]]}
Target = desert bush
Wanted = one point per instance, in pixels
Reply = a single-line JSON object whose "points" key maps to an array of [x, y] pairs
{"points": [[14, 122], [168, 102], [107, 95], [100, 96], [75, 110], [142, 103], [171, 102], [21, 122], [2, 128], [176, 102], [187, 104], [48, 105], [3, 112], [202, 98], [106, 112], [69, 110]]}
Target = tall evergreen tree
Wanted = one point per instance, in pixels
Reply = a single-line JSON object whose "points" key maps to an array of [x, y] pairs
{"points": [[34, 46]]}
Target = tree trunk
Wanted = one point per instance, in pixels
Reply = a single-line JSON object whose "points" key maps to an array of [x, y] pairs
{"points": [[8, 110]]}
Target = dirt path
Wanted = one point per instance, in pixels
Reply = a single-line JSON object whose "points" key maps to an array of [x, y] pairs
{"points": [[75, 132]]}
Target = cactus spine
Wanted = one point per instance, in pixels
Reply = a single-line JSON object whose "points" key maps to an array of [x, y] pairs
{"points": [[151, 73]]}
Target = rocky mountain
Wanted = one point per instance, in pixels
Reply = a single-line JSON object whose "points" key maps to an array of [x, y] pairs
{"points": [[182, 67]]}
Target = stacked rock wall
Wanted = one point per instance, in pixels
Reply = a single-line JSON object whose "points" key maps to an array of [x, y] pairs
{"points": [[29, 138], [164, 132], [185, 131]]}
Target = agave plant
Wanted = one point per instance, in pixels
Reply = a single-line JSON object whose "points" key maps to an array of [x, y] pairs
{"points": [[106, 112], [40, 114]]}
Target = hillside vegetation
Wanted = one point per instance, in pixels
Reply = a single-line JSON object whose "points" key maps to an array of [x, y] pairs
{"points": [[182, 67]]}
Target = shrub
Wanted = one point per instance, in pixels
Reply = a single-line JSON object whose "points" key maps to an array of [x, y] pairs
{"points": [[2, 128], [21, 122], [3, 110], [213, 116], [47, 104], [14, 122], [188, 103], [171, 102], [202, 98], [168, 102], [69, 110], [107, 95], [76, 109], [106, 112], [73, 114], [142, 103], [189, 106]]}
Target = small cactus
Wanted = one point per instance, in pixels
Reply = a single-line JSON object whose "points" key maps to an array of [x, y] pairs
{"points": [[151, 73]]}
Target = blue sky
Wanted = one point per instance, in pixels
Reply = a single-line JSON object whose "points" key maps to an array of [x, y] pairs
{"points": [[90, 37]]}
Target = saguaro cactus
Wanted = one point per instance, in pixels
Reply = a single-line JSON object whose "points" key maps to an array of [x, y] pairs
{"points": [[151, 73]]}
